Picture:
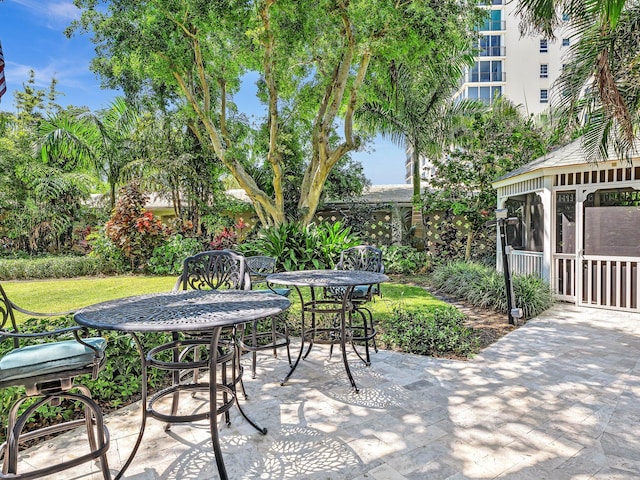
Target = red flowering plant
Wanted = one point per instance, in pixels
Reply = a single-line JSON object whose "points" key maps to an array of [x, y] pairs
{"points": [[132, 229], [227, 238], [240, 226]]}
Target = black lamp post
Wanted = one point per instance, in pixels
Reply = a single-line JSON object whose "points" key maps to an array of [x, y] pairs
{"points": [[502, 221]]}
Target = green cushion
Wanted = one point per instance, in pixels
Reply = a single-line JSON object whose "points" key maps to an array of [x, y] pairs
{"points": [[34, 360]]}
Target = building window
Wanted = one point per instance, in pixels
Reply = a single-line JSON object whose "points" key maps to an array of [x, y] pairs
{"points": [[494, 22], [565, 42], [544, 71], [490, 46], [544, 95], [484, 94], [486, 71], [544, 45]]}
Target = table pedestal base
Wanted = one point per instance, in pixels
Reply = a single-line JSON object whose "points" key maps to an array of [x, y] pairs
{"points": [[336, 333], [223, 362]]}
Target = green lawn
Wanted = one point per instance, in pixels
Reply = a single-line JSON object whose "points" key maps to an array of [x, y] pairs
{"points": [[58, 295], [407, 296], [68, 294]]}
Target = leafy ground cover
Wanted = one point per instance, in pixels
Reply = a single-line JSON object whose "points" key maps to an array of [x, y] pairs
{"points": [[488, 324]]}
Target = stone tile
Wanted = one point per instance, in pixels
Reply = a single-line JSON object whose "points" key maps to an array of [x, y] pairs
{"points": [[555, 399]]}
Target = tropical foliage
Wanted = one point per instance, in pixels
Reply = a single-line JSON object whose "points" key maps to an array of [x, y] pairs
{"points": [[136, 232], [495, 142], [417, 109], [41, 200], [103, 142], [598, 91], [299, 247], [316, 62]]}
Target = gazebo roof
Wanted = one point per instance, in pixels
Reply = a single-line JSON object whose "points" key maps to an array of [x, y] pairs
{"points": [[570, 154]]}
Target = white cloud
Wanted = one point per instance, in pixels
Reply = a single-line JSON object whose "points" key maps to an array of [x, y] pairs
{"points": [[68, 74], [66, 11], [51, 12]]}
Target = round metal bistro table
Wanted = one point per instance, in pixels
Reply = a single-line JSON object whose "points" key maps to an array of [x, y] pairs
{"points": [[202, 311], [339, 332]]}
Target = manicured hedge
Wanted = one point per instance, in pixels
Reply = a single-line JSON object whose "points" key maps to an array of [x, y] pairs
{"points": [[53, 267]]}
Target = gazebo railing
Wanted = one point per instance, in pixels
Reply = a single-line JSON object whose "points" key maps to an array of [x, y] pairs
{"points": [[523, 263], [564, 283], [610, 282]]}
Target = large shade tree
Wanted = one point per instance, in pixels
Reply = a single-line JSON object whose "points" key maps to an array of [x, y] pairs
{"points": [[316, 60]]}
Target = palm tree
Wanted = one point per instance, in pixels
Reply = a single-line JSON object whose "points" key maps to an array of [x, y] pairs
{"points": [[600, 86], [418, 111], [103, 140]]}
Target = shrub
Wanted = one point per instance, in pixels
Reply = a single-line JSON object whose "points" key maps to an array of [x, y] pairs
{"points": [[532, 295], [53, 267], [227, 238], [403, 260], [133, 230], [437, 332], [299, 247], [118, 381], [103, 249], [482, 286], [167, 259], [331, 239]]}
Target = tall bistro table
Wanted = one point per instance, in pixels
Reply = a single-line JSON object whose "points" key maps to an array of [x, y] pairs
{"points": [[207, 311], [338, 332]]}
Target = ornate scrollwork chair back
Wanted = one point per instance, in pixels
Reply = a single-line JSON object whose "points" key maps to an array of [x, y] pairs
{"points": [[214, 270], [210, 270], [47, 369], [362, 257], [367, 258]]}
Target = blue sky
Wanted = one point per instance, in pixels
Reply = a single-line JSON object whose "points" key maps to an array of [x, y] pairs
{"points": [[31, 33]]}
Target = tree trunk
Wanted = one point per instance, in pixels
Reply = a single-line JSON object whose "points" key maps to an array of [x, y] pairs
{"points": [[467, 250], [416, 214]]}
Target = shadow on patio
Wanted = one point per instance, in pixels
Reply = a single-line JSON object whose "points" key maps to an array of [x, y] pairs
{"points": [[558, 398]]}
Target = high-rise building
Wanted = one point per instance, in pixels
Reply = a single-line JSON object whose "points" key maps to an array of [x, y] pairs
{"points": [[520, 68]]}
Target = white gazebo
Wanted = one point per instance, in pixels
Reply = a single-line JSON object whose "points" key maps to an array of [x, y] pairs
{"points": [[579, 226]]}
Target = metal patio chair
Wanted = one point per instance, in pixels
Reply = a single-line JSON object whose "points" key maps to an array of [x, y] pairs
{"points": [[269, 333], [367, 258], [210, 270], [47, 372]]}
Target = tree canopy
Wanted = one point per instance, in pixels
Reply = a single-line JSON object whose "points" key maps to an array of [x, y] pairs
{"points": [[496, 142], [317, 61]]}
